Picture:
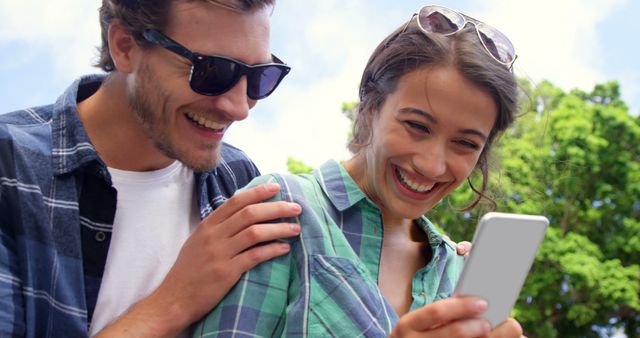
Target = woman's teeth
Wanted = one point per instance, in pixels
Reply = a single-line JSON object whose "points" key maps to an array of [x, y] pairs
{"points": [[417, 187], [203, 122]]}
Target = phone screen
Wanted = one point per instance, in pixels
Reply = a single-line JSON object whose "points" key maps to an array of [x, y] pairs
{"points": [[504, 247]]}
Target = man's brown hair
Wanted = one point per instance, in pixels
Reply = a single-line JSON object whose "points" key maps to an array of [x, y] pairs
{"points": [[138, 15]]}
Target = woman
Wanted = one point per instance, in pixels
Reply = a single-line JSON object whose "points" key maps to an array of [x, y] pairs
{"points": [[433, 97]]}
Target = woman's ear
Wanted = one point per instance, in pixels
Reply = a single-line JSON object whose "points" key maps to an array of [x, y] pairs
{"points": [[122, 47]]}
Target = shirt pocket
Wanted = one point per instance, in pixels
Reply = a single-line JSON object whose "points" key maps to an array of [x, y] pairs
{"points": [[344, 301]]}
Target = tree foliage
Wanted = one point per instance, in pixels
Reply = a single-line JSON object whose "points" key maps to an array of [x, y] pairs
{"points": [[574, 157], [297, 167]]}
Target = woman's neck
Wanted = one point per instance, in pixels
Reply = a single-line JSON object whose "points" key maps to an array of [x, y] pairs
{"points": [[404, 251], [405, 248]]}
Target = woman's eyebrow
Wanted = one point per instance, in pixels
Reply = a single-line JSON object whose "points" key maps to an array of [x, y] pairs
{"points": [[411, 110], [474, 132]]}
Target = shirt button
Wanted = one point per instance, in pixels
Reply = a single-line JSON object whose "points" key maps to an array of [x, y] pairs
{"points": [[100, 236], [422, 294]]}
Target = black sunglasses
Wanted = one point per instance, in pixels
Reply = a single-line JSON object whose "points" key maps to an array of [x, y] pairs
{"points": [[215, 75]]}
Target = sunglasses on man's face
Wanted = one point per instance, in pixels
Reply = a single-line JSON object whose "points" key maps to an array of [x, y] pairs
{"points": [[442, 20], [215, 75]]}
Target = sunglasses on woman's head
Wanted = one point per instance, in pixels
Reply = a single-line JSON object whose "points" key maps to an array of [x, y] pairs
{"points": [[215, 75], [442, 20]]}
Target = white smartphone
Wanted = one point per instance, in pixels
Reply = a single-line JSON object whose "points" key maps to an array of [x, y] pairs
{"points": [[504, 247]]}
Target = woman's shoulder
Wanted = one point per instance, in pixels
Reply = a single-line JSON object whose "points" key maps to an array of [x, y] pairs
{"points": [[293, 187]]}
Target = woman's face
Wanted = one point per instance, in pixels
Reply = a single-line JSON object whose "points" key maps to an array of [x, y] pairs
{"points": [[426, 140]]}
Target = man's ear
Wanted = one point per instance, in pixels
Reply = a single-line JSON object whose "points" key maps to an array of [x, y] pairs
{"points": [[123, 47]]}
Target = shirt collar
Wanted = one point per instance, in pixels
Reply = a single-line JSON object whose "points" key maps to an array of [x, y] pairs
{"points": [[71, 147], [338, 185], [435, 237], [343, 192]]}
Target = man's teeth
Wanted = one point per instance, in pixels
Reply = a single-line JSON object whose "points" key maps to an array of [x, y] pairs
{"points": [[203, 122], [413, 185]]}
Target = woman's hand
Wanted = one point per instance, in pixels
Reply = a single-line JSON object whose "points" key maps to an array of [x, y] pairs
{"points": [[510, 328], [463, 248], [456, 317]]}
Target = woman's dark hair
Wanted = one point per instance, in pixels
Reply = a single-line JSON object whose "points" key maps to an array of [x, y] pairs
{"points": [[138, 15], [408, 49]]}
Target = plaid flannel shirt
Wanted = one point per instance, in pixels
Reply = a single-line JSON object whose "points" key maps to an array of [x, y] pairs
{"points": [[57, 206], [327, 285]]}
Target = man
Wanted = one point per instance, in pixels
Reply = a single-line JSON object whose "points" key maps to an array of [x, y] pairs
{"points": [[116, 215], [144, 129]]}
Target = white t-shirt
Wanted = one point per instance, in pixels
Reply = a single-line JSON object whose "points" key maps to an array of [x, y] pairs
{"points": [[155, 214]]}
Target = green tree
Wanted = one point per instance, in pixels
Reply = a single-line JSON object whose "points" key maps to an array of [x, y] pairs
{"points": [[297, 167], [574, 157]]}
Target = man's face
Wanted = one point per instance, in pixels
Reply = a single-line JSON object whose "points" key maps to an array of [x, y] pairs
{"points": [[182, 124]]}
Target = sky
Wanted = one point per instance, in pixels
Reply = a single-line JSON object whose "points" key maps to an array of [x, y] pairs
{"points": [[45, 45]]}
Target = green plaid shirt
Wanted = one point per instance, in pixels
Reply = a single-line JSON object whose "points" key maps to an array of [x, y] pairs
{"points": [[327, 285]]}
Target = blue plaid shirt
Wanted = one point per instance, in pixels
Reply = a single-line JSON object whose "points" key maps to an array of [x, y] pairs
{"points": [[57, 206]]}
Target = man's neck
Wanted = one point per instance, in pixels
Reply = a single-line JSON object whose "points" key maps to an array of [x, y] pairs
{"points": [[115, 132]]}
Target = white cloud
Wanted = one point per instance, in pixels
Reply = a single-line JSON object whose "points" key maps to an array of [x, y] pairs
{"points": [[555, 40], [630, 84], [43, 20], [67, 29], [328, 53], [308, 127]]}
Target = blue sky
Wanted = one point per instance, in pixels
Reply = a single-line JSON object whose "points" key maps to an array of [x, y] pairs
{"points": [[45, 45]]}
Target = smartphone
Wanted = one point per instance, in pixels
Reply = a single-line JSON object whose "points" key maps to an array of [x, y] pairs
{"points": [[504, 247]]}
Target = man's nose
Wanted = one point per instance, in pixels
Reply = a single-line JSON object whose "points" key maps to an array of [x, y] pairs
{"points": [[235, 103]]}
